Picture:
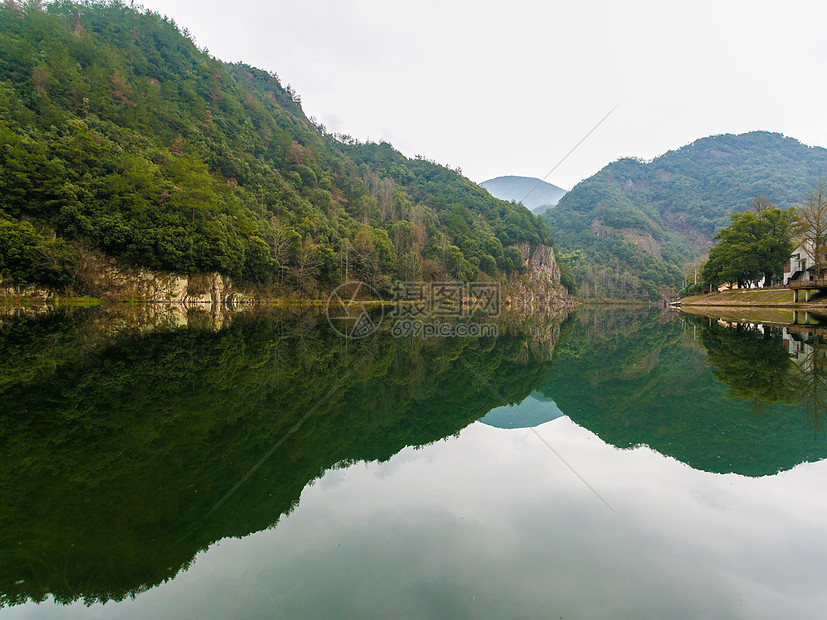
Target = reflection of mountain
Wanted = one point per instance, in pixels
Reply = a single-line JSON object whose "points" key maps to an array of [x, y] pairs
{"points": [[115, 447], [536, 409], [638, 378]]}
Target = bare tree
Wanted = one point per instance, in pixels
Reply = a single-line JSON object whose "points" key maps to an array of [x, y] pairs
{"points": [[382, 190], [811, 227], [410, 267], [760, 204], [280, 245], [363, 257], [306, 269]]}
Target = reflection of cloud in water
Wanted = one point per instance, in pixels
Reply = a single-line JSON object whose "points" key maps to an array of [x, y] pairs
{"points": [[519, 537], [536, 409]]}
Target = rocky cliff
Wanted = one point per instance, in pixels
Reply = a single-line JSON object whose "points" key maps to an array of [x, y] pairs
{"points": [[114, 282], [104, 278], [539, 289], [107, 320]]}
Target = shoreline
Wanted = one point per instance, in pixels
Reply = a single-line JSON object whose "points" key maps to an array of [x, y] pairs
{"points": [[778, 315], [759, 298]]}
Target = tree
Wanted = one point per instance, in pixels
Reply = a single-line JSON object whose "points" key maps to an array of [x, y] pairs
{"points": [[363, 257], [410, 267], [811, 226], [776, 244], [752, 363], [751, 247], [306, 266], [761, 204]]}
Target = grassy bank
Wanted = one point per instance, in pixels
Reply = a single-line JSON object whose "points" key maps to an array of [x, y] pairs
{"points": [[778, 315], [751, 297]]}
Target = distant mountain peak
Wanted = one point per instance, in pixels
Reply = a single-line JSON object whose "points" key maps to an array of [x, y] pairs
{"points": [[532, 192]]}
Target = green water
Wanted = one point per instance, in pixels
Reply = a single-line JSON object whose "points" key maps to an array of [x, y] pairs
{"points": [[258, 465]]}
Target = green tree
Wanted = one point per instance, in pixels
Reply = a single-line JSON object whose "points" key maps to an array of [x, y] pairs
{"points": [[753, 246]]}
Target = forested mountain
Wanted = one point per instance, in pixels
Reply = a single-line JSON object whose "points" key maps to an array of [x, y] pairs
{"points": [[535, 194], [629, 230], [120, 137]]}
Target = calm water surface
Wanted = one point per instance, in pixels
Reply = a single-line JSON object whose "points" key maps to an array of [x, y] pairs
{"points": [[652, 466]]}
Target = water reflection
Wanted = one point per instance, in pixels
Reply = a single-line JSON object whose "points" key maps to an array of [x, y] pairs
{"points": [[720, 397], [765, 364], [753, 361], [535, 410], [120, 432]]}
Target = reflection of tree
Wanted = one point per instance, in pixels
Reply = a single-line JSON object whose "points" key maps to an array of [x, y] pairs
{"points": [[647, 381], [810, 377], [753, 364], [758, 368]]}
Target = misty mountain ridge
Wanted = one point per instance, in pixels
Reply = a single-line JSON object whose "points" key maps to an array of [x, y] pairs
{"points": [[519, 189]]}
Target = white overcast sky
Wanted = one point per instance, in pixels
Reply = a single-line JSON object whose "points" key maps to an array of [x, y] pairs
{"points": [[509, 87]]}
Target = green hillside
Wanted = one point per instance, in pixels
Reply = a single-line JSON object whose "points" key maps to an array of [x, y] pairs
{"points": [[636, 224], [121, 137]]}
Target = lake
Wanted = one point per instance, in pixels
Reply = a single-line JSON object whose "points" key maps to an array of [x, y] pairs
{"points": [[625, 463]]}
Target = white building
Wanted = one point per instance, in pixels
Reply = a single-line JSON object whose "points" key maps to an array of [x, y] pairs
{"points": [[799, 265]]}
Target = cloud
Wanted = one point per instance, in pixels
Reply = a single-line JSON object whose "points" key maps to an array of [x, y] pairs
{"points": [[501, 88]]}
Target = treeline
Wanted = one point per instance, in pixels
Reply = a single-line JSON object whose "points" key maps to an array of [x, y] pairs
{"points": [[120, 136]]}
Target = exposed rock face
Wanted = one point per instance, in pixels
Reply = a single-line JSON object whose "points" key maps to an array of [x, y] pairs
{"points": [[8, 289], [105, 279], [539, 289], [642, 240], [114, 282], [144, 285]]}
